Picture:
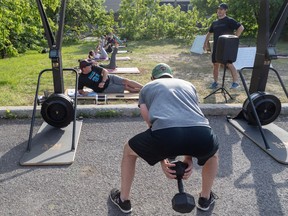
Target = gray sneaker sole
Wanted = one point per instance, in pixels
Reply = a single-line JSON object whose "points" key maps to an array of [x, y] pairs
{"points": [[205, 209]]}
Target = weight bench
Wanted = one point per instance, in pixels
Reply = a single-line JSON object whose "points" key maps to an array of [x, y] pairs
{"points": [[122, 51], [102, 98], [123, 58], [119, 58], [132, 70]]}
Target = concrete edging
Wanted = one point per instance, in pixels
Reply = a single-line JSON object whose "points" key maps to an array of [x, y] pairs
{"points": [[123, 110]]}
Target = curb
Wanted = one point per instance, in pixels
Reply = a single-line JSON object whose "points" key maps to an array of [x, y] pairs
{"points": [[123, 110]]}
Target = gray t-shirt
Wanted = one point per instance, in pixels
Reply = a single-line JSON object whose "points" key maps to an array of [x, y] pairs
{"points": [[172, 103]]}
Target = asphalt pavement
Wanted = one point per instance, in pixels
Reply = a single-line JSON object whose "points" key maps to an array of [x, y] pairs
{"points": [[249, 181]]}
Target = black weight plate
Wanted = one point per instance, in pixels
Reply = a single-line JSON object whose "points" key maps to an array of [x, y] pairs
{"points": [[58, 110]]}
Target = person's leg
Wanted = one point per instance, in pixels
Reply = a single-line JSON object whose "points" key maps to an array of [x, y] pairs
{"points": [[112, 63], [209, 172], [233, 71], [216, 71], [132, 86], [128, 165], [215, 65], [103, 53]]}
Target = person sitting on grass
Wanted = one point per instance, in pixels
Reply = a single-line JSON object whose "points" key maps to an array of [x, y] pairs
{"points": [[99, 53], [93, 55], [112, 63], [99, 80]]}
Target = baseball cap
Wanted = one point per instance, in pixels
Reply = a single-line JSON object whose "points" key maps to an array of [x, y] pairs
{"points": [[223, 6], [161, 70], [84, 63]]}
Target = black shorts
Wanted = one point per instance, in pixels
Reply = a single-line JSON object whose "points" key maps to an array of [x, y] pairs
{"points": [[214, 58], [154, 146]]}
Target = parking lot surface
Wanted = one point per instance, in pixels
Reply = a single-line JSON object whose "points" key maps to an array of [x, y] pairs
{"points": [[249, 181]]}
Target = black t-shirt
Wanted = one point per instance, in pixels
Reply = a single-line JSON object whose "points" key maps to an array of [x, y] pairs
{"points": [[109, 44], [92, 80], [110, 40], [227, 25]]}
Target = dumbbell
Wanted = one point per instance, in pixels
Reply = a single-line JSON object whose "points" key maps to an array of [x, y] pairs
{"points": [[182, 202]]}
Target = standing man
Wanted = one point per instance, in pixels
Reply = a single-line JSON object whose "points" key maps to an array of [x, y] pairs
{"points": [[223, 25], [176, 126]]}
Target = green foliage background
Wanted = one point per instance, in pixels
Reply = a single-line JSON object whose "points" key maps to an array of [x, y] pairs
{"points": [[21, 27]]}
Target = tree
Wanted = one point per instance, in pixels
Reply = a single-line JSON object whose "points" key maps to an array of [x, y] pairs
{"points": [[22, 29], [88, 16], [18, 23], [21, 26], [246, 12], [133, 15], [148, 20]]}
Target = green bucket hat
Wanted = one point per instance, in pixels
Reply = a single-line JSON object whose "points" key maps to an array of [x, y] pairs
{"points": [[161, 70]]}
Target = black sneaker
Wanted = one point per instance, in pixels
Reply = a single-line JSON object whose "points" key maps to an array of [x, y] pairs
{"points": [[204, 204], [125, 206]]}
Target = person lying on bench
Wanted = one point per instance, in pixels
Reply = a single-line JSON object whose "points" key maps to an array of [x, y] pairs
{"points": [[100, 81], [112, 63], [99, 53]]}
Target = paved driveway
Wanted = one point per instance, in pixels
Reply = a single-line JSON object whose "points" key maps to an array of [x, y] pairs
{"points": [[249, 181]]}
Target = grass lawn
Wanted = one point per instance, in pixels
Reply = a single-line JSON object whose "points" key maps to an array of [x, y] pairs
{"points": [[19, 75]]}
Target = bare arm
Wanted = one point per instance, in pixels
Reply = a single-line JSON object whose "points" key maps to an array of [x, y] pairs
{"points": [[239, 31], [205, 45], [166, 168], [82, 92], [188, 170], [145, 114], [104, 74]]}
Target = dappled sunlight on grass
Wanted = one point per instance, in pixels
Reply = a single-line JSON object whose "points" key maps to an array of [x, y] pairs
{"points": [[19, 75]]}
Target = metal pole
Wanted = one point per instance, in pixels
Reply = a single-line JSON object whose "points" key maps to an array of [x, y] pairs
{"points": [[261, 64]]}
